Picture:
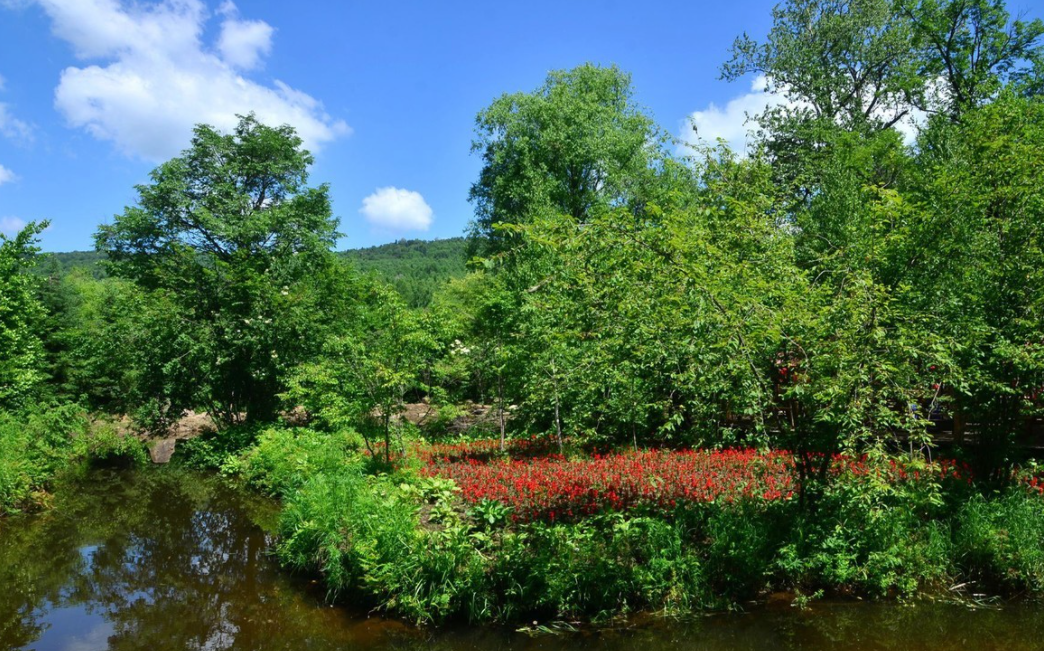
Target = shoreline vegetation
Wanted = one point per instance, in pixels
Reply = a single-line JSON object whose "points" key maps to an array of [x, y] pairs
{"points": [[660, 379], [525, 536], [462, 532]]}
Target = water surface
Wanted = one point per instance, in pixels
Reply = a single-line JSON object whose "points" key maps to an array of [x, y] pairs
{"points": [[166, 559]]}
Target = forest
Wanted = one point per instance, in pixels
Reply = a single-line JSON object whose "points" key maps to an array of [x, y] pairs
{"points": [[653, 377], [415, 268]]}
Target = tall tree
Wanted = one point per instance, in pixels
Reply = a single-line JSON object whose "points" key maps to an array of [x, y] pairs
{"points": [[232, 237], [974, 48], [577, 144], [982, 262], [847, 62], [22, 360]]}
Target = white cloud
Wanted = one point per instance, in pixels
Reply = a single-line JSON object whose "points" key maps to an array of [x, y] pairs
{"points": [[12, 127], [11, 225], [734, 122], [395, 209], [6, 175], [157, 79], [731, 122], [243, 42]]}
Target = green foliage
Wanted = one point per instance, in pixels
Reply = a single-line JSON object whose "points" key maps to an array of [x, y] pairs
{"points": [[742, 541], [283, 459], [974, 48], [986, 187], [364, 374], [574, 146], [999, 540], [106, 445], [871, 536], [106, 343], [34, 447], [598, 569], [415, 268], [849, 62], [60, 264], [230, 237], [21, 319], [361, 533], [215, 450], [38, 444]]}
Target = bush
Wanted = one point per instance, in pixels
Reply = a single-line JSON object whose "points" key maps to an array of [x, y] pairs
{"points": [[212, 450], [872, 533], [34, 445], [38, 444], [283, 459], [742, 540], [1001, 540], [361, 534], [599, 568], [104, 445]]}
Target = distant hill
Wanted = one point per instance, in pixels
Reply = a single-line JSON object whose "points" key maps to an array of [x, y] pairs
{"points": [[63, 263], [416, 268]]}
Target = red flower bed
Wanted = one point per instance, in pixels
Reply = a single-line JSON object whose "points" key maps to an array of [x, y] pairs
{"points": [[553, 488]]}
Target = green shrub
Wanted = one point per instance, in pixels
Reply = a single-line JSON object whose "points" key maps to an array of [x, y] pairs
{"points": [[283, 459], [361, 534], [598, 568], [741, 542], [212, 450], [35, 444], [1002, 540], [104, 445], [870, 536]]}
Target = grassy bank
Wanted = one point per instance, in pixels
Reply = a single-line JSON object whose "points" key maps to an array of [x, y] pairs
{"points": [[596, 537], [42, 444]]}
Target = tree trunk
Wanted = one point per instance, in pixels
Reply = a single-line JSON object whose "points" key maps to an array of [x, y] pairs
{"points": [[500, 403]]}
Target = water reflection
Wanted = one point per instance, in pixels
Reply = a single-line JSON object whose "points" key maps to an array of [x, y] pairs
{"points": [[168, 560], [157, 560]]}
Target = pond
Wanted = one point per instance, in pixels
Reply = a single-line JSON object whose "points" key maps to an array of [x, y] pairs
{"points": [[167, 559]]}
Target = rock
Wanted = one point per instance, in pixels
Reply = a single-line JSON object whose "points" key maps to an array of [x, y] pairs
{"points": [[161, 450]]}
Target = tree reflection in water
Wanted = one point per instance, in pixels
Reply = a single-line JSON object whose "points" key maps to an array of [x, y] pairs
{"points": [[157, 560], [172, 560]]}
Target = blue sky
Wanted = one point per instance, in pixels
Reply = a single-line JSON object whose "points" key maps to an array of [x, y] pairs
{"points": [[95, 93]]}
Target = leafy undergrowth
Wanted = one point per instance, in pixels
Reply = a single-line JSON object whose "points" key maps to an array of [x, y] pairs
{"points": [[37, 445]]}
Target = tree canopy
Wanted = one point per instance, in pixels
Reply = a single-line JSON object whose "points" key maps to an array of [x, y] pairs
{"points": [[230, 237], [576, 145]]}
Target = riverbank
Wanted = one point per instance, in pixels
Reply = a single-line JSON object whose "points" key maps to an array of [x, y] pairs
{"points": [[173, 559], [466, 533], [406, 540]]}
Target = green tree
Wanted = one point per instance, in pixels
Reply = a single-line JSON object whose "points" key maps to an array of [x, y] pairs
{"points": [[22, 360], [365, 371], [576, 145], [847, 62], [233, 240], [974, 48], [983, 264]]}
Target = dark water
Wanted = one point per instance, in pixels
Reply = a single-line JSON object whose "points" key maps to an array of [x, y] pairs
{"points": [[168, 560]]}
